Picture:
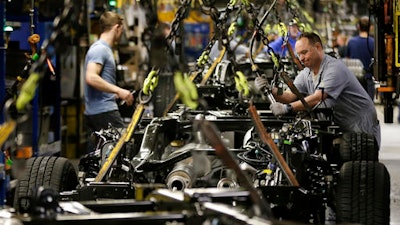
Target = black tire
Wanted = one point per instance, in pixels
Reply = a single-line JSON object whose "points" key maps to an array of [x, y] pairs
{"points": [[49, 172], [358, 147], [363, 194]]}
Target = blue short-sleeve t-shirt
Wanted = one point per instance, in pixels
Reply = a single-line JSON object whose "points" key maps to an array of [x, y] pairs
{"points": [[98, 101]]}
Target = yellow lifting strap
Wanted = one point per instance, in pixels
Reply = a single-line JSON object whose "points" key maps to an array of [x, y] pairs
{"points": [[203, 58], [151, 82], [212, 68], [125, 137], [282, 29], [232, 29], [274, 59], [177, 95], [187, 90], [149, 85], [28, 91], [232, 3], [245, 2], [241, 84], [194, 75], [5, 130]]}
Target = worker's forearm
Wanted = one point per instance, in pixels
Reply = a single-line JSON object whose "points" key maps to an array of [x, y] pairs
{"points": [[311, 100], [285, 97], [101, 85]]}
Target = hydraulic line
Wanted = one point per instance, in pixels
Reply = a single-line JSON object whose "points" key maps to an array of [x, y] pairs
{"points": [[258, 32]]}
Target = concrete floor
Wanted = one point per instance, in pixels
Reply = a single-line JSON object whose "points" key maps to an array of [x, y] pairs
{"points": [[390, 156]]}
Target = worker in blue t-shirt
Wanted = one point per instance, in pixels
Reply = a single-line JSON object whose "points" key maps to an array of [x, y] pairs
{"points": [[362, 47], [100, 87], [279, 45]]}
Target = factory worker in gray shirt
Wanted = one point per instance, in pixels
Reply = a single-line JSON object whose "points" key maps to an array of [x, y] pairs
{"points": [[327, 79]]}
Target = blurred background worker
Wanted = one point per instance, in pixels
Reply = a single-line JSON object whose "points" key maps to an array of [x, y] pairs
{"points": [[279, 45], [362, 47], [341, 45], [240, 50]]}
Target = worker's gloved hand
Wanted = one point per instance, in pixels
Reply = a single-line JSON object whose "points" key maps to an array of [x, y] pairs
{"points": [[279, 108], [260, 83]]}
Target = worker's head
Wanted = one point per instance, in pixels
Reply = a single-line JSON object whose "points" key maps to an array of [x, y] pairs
{"points": [[363, 24], [309, 49], [294, 28], [341, 40], [111, 21], [164, 28]]}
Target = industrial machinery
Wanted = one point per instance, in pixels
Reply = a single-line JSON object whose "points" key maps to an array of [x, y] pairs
{"points": [[308, 170], [223, 162]]}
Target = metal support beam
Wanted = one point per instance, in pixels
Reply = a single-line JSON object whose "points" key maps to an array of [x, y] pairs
{"points": [[3, 180]]}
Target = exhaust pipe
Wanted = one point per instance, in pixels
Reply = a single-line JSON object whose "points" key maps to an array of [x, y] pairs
{"points": [[180, 177], [227, 183]]}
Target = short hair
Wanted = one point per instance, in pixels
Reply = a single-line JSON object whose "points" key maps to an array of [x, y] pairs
{"points": [[163, 26], [311, 36], [364, 24], [109, 19]]}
